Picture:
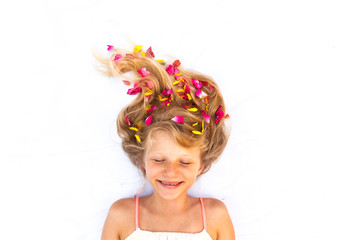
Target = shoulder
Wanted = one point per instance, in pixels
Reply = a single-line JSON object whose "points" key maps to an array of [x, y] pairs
{"points": [[219, 224], [120, 219]]}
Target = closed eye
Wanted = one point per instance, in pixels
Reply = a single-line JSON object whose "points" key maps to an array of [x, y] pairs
{"points": [[158, 160], [185, 163]]}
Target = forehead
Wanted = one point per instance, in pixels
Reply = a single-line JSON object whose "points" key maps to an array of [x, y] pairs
{"points": [[162, 142]]}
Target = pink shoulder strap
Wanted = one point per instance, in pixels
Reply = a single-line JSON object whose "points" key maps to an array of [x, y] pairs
{"points": [[203, 212], [137, 212]]}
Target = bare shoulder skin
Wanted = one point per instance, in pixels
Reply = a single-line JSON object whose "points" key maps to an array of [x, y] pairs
{"points": [[218, 221], [120, 221]]}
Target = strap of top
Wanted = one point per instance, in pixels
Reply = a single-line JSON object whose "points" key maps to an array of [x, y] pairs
{"points": [[203, 212], [137, 212]]}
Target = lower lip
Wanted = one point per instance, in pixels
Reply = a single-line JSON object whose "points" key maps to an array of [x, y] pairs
{"points": [[170, 186]]}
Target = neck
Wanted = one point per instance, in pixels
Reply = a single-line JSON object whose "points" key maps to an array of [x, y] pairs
{"points": [[169, 206]]}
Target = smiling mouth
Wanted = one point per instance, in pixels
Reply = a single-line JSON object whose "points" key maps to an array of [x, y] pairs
{"points": [[169, 184]]}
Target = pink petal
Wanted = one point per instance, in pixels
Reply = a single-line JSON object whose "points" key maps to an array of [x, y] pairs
{"points": [[134, 91], [198, 93], [177, 78], [176, 71], [152, 108], [170, 69], [143, 72], [178, 119], [148, 120], [150, 84], [187, 89], [117, 58], [206, 116], [219, 114], [110, 47], [196, 83], [128, 121], [211, 88], [167, 91]]}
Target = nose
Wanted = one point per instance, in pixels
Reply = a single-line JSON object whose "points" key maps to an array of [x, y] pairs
{"points": [[170, 169]]}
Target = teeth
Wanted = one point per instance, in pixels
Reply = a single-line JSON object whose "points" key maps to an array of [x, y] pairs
{"points": [[171, 184]]}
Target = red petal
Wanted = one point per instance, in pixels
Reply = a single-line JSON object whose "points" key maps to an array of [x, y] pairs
{"points": [[127, 82], [219, 114], [167, 91], [150, 53], [176, 63]]}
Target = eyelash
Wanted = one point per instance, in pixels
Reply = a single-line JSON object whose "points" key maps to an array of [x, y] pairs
{"points": [[161, 161]]}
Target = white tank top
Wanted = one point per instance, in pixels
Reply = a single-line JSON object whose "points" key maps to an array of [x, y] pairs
{"points": [[139, 234]]}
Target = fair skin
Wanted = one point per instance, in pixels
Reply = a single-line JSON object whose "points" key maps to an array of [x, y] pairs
{"points": [[171, 170]]}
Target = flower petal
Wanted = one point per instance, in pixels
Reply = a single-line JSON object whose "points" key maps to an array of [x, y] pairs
{"points": [[134, 129], [150, 53], [196, 132], [196, 83], [227, 116], [127, 82], [219, 114], [137, 48], [128, 121], [178, 119], [150, 108], [134, 91], [198, 93], [176, 63], [148, 120], [110, 47], [192, 109], [206, 116], [117, 58], [150, 84], [143, 72], [137, 138], [167, 91], [170, 69]]}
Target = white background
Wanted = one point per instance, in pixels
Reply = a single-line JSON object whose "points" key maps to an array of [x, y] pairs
{"points": [[289, 71]]}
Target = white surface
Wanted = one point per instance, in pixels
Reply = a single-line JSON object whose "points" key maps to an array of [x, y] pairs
{"points": [[289, 71]]}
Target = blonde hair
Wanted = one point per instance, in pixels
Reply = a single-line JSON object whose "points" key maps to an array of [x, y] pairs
{"points": [[213, 137]]}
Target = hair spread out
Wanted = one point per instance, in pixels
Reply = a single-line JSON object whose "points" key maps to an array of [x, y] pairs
{"points": [[164, 91]]}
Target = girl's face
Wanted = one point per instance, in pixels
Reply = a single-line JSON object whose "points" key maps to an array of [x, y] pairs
{"points": [[170, 168]]}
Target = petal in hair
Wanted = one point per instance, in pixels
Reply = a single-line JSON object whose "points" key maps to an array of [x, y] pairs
{"points": [[198, 93], [134, 129], [178, 119], [211, 88], [117, 58], [143, 72], [110, 47], [176, 63], [195, 124], [167, 91], [137, 48], [196, 83], [137, 138], [150, 53], [134, 91], [150, 84], [128, 121], [170, 69], [196, 132], [192, 109], [150, 108], [219, 114], [127, 82], [206, 116], [149, 120]]}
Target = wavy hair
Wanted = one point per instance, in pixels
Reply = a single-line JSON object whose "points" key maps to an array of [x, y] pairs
{"points": [[213, 136]]}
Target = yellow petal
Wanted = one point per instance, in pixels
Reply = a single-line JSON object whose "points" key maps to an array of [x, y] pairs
{"points": [[134, 129], [192, 109], [189, 97], [137, 138], [176, 82], [202, 126], [180, 90], [196, 132], [160, 61], [195, 123], [137, 48]]}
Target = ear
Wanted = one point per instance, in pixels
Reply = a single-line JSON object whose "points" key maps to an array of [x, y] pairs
{"points": [[201, 168]]}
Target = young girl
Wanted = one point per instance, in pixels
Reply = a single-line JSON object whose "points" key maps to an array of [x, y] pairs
{"points": [[173, 131]]}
